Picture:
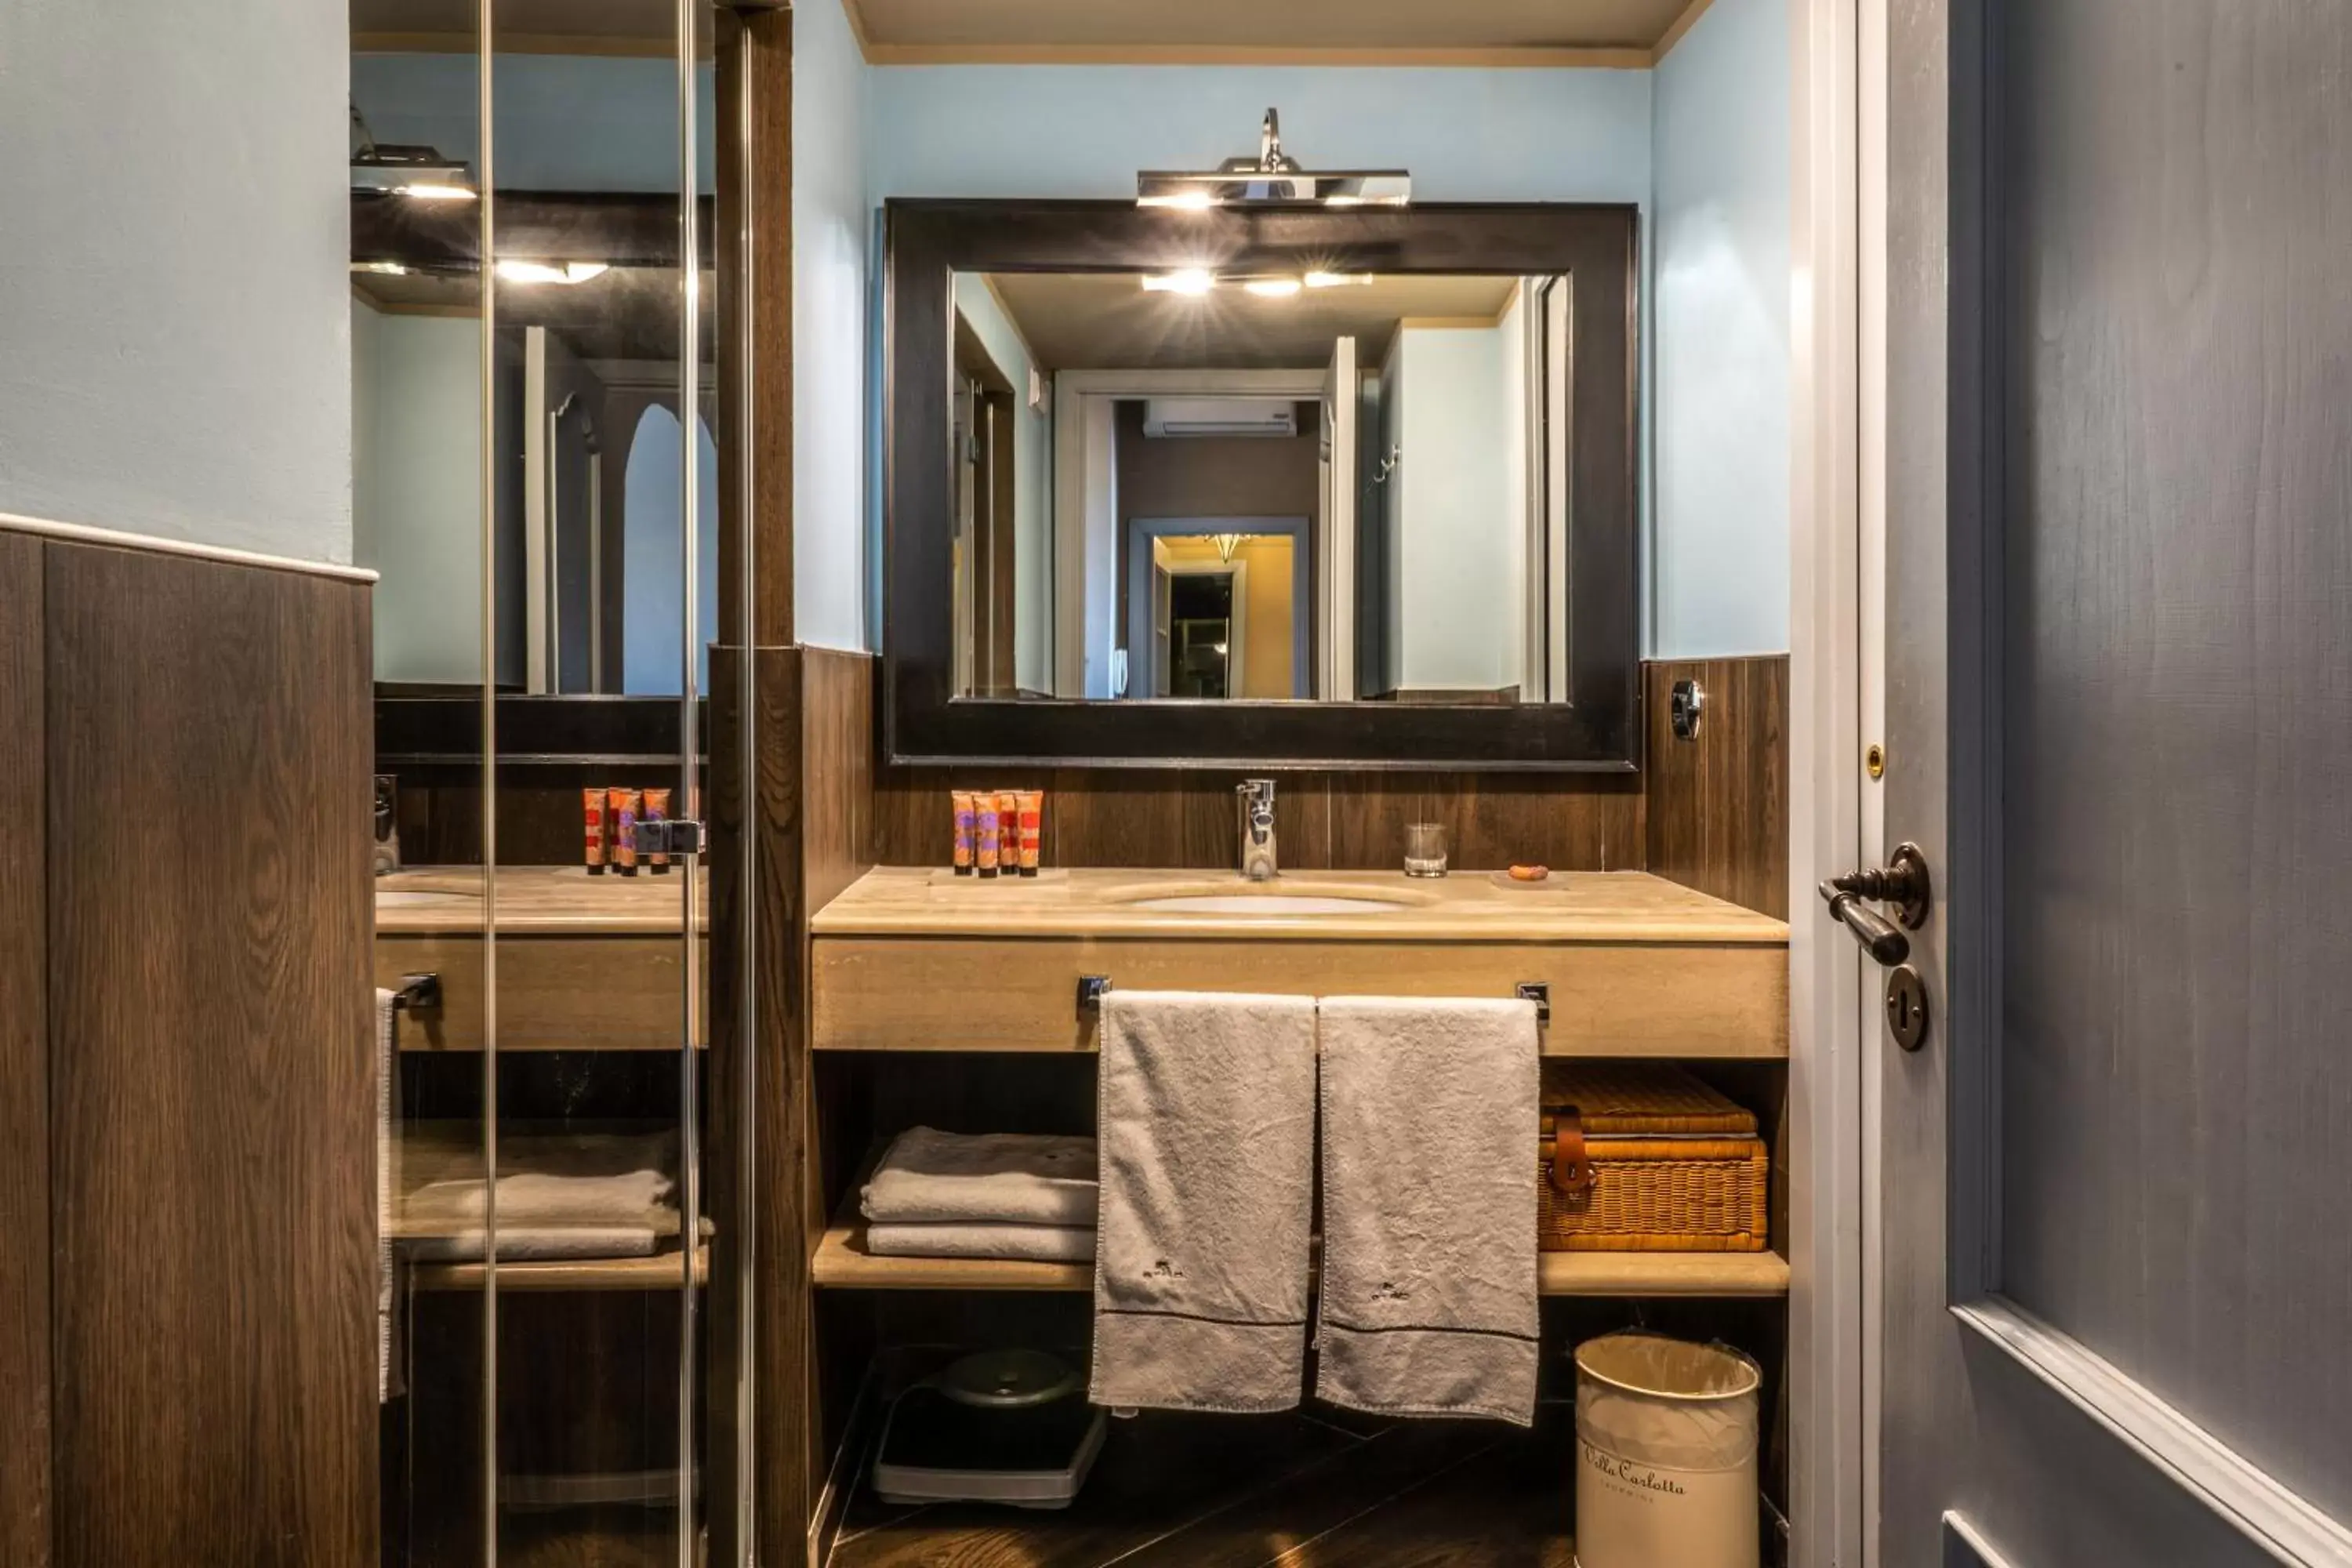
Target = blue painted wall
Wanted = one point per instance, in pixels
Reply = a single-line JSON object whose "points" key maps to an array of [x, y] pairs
{"points": [[1084, 131], [1720, 304], [1702, 144], [834, 551]]}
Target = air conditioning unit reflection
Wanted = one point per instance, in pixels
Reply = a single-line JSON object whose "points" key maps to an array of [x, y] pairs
{"points": [[1178, 417]]}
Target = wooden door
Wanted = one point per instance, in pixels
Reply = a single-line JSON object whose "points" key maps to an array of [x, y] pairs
{"points": [[2116, 1277]]}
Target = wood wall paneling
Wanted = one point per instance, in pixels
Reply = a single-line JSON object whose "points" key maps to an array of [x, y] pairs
{"points": [[754, 245], [439, 810], [1718, 804], [1323, 821], [212, 1135], [25, 1502]]}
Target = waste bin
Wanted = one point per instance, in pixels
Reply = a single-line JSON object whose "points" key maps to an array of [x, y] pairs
{"points": [[1665, 1450]]}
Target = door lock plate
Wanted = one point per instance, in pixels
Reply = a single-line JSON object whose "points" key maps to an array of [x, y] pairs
{"points": [[1907, 1007]]}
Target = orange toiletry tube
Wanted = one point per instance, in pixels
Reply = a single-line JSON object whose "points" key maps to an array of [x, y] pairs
{"points": [[1031, 803], [621, 822], [591, 811], [967, 825], [656, 809], [985, 827]]}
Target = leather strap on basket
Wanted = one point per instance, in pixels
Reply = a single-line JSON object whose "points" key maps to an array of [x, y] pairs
{"points": [[1571, 1167]]}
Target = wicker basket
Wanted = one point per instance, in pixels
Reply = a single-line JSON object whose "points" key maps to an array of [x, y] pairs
{"points": [[1642, 1157]]}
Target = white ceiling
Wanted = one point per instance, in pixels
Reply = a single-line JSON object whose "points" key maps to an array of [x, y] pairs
{"points": [[1109, 322]]}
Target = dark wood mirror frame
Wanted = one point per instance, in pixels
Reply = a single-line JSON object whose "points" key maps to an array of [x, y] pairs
{"points": [[926, 242]]}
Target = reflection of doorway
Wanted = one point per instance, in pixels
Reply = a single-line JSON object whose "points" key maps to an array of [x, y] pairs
{"points": [[1271, 660], [1200, 614]]}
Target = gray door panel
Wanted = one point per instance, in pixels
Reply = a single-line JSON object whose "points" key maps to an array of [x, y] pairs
{"points": [[2119, 695]]}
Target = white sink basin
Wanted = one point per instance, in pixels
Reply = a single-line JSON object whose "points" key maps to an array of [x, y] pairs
{"points": [[406, 901], [1269, 904]]}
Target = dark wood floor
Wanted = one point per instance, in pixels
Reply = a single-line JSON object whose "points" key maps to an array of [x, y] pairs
{"points": [[1308, 1491]]}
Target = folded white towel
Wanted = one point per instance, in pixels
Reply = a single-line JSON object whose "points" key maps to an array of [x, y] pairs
{"points": [[568, 1179], [1019, 1242], [1207, 1129], [933, 1177], [526, 1244], [1429, 1112]]}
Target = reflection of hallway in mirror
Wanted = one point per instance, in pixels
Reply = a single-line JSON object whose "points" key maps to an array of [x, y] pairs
{"points": [[1194, 654]]}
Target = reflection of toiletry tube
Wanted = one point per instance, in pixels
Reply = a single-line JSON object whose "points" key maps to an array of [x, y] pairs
{"points": [[986, 825], [1031, 803], [657, 810], [592, 809], [621, 819], [967, 822]]}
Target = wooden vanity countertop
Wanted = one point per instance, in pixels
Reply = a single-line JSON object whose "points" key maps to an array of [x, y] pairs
{"points": [[1464, 906], [553, 901]]}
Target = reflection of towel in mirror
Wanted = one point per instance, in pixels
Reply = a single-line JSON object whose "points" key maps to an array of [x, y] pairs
{"points": [[1021, 1243], [930, 1177], [585, 1194], [586, 1178]]}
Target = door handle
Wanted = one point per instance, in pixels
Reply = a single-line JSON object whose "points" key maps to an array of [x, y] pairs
{"points": [[1878, 934], [1903, 882]]}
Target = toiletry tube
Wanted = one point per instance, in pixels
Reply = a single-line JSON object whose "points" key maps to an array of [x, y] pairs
{"points": [[657, 810], [986, 825], [1031, 804], [591, 811], [1008, 832], [967, 824], [621, 819]]}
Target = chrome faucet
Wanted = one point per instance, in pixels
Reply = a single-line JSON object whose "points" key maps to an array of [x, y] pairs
{"points": [[1257, 797]]}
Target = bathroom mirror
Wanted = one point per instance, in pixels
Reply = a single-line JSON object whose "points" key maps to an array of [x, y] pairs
{"points": [[1335, 486], [1262, 486], [581, 387]]}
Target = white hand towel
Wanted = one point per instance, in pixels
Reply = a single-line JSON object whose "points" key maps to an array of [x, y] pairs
{"points": [[930, 1178], [1018, 1243], [1207, 1121], [1430, 1110]]}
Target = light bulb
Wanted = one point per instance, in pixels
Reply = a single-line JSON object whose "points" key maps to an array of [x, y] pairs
{"points": [[514, 270], [1192, 281]]}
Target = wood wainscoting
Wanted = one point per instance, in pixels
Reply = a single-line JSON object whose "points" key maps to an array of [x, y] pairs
{"points": [[184, 897], [26, 1522], [1718, 802], [806, 820], [1335, 821]]}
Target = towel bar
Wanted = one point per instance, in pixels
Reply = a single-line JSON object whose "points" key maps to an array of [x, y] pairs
{"points": [[1092, 986], [417, 992]]}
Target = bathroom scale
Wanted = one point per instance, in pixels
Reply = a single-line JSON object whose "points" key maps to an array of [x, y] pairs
{"points": [[1006, 1426]]}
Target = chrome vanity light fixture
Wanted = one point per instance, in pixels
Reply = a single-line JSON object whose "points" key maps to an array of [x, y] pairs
{"points": [[420, 174], [1273, 177]]}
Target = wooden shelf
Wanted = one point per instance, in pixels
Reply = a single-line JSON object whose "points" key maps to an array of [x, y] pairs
{"points": [[539, 900], [658, 1272], [842, 1263]]}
